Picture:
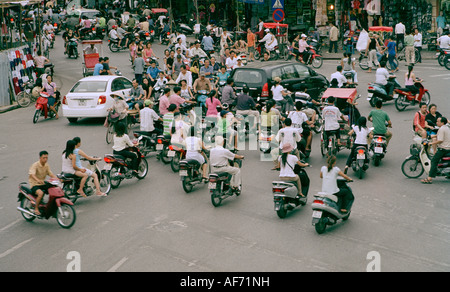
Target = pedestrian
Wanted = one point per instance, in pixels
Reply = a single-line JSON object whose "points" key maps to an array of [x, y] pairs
{"points": [[139, 64], [392, 53], [334, 33], [371, 50], [440, 23], [251, 37], [409, 48], [400, 33], [418, 44]]}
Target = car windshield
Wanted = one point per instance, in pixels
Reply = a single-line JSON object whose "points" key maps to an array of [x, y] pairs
{"points": [[90, 14], [248, 76], [90, 86]]}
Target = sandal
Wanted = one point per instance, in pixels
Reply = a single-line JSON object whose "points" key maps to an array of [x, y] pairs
{"points": [[82, 194], [102, 195], [427, 181]]}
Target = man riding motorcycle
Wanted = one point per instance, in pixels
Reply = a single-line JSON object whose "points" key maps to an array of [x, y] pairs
{"points": [[270, 41]]}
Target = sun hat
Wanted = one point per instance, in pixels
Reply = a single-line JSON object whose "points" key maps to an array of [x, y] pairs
{"points": [[287, 148]]}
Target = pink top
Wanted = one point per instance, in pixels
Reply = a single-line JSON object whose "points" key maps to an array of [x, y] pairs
{"points": [[212, 107]]}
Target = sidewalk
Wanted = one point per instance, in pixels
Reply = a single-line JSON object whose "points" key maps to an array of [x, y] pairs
{"points": [[426, 55], [7, 108]]}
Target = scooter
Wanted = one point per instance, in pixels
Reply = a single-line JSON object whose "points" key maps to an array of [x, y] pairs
{"points": [[147, 142], [419, 162], [163, 143], [285, 194], [405, 97], [113, 45], [72, 48], [190, 174], [377, 91], [42, 107], [378, 148], [220, 187], [360, 161], [71, 182], [56, 206], [176, 153], [326, 208], [118, 167]]}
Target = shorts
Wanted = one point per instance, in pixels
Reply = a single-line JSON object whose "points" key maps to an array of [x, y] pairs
{"points": [[88, 172], [43, 188], [51, 101]]}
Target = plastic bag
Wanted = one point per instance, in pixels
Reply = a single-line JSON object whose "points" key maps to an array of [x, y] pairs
{"points": [[363, 40]]}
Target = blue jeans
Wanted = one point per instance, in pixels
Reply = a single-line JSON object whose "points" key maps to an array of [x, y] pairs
{"points": [[391, 59]]}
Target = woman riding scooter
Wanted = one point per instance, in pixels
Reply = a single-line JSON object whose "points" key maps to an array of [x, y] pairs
{"points": [[329, 174]]}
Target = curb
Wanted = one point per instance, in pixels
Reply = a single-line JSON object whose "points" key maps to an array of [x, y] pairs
{"points": [[9, 108]]}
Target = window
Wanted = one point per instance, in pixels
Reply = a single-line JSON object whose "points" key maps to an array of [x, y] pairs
{"points": [[90, 86], [278, 72], [302, 71], [120, 84], [289, 72], [248, 76]]}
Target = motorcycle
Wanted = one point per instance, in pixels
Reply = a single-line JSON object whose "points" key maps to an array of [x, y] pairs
{"points": [[326, 208], [266, 141], [306, 100], [221, 84], [162, 146], [42, 107], [260, 49], [378, 148], [56, 205], [87, 33], [315, 59], [419, 161], [147, 143], [285, 194], [176, 153], [405, 97], [377, 91], [117, 167], [72, 48], [190, 174], [360, 161], [331, 147], [220, 187], [113, 45], [202, 95], [442, 56], [99, 32], [71, 182], [164, 38]]}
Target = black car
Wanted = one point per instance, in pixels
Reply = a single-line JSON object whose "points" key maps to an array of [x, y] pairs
{"points": [[259, 78]]}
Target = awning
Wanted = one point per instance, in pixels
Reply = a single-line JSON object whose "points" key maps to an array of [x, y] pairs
{"points": [[340, 93], [381, 28]]}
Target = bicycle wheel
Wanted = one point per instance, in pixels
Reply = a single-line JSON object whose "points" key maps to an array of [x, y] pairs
{"points": [[110, 133], [363, 62]]}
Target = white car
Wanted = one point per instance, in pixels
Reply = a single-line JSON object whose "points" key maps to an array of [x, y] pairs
{"points": [[91, 97]]}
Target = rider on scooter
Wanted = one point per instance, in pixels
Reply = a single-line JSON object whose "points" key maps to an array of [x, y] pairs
{"points": [[329, 175], [382, 77], [270, 41]]}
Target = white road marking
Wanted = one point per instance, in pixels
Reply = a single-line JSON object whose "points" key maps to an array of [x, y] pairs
{"points": [[9, 225], [11, 250], [116, 266]]}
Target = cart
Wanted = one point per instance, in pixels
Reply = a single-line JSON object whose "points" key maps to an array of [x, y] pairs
{"points": [[90, 60], [342, 95]]}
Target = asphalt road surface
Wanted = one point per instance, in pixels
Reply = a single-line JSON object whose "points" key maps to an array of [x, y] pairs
{"points": [[396, 224]]}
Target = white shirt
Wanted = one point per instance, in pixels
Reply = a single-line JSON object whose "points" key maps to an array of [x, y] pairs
{"points": [[287, 169], [444, 42], [230, 63], [148, 116], [113, 34], [276, 92], [361, 136], [418, 40], [187, 76], [329, 180], [120, 143], [339, 77], [219, 156], [381, 76], [288, 135], [400, 28], [331, 115], [298, 118]]}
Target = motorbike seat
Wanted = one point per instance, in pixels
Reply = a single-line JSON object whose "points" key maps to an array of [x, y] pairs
{"points": [[328, 196], [67, 175], [25, 189], [193, 162], [223, 174]]}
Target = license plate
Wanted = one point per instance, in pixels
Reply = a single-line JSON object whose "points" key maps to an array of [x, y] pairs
{"points": [[107, 166], [183, 173], [369, 95], [278, 51], [148, 38], [265, 145], [360, 156], [317, 214], [171, 153], [82, 102], [379, 150], [204, 125], [159, 147], [212, 186], [396, 95]]}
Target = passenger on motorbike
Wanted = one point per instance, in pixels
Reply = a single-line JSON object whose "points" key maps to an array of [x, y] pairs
{"points": [[245, 105], [270, 41], [286, 135], [329, 174], [119, 106], [178, 130], [362, 133], [339, 76], [50, 88], [303, 49], [222, 75], [148, 117], [78, 154], [122, 142], [410, 80], [219, 157], [420, 123], [287, 162], [443, 148], [299, 119], [194, 147], [331, 115], [37, 174], [348, 65], [382, 77], [202, 83]]}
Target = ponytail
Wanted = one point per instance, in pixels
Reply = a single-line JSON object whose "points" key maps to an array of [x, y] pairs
{"points": [[410, 68], [330, 161]]}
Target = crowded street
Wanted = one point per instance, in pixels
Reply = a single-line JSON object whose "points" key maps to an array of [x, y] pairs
{"points": [[397, 224]]}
